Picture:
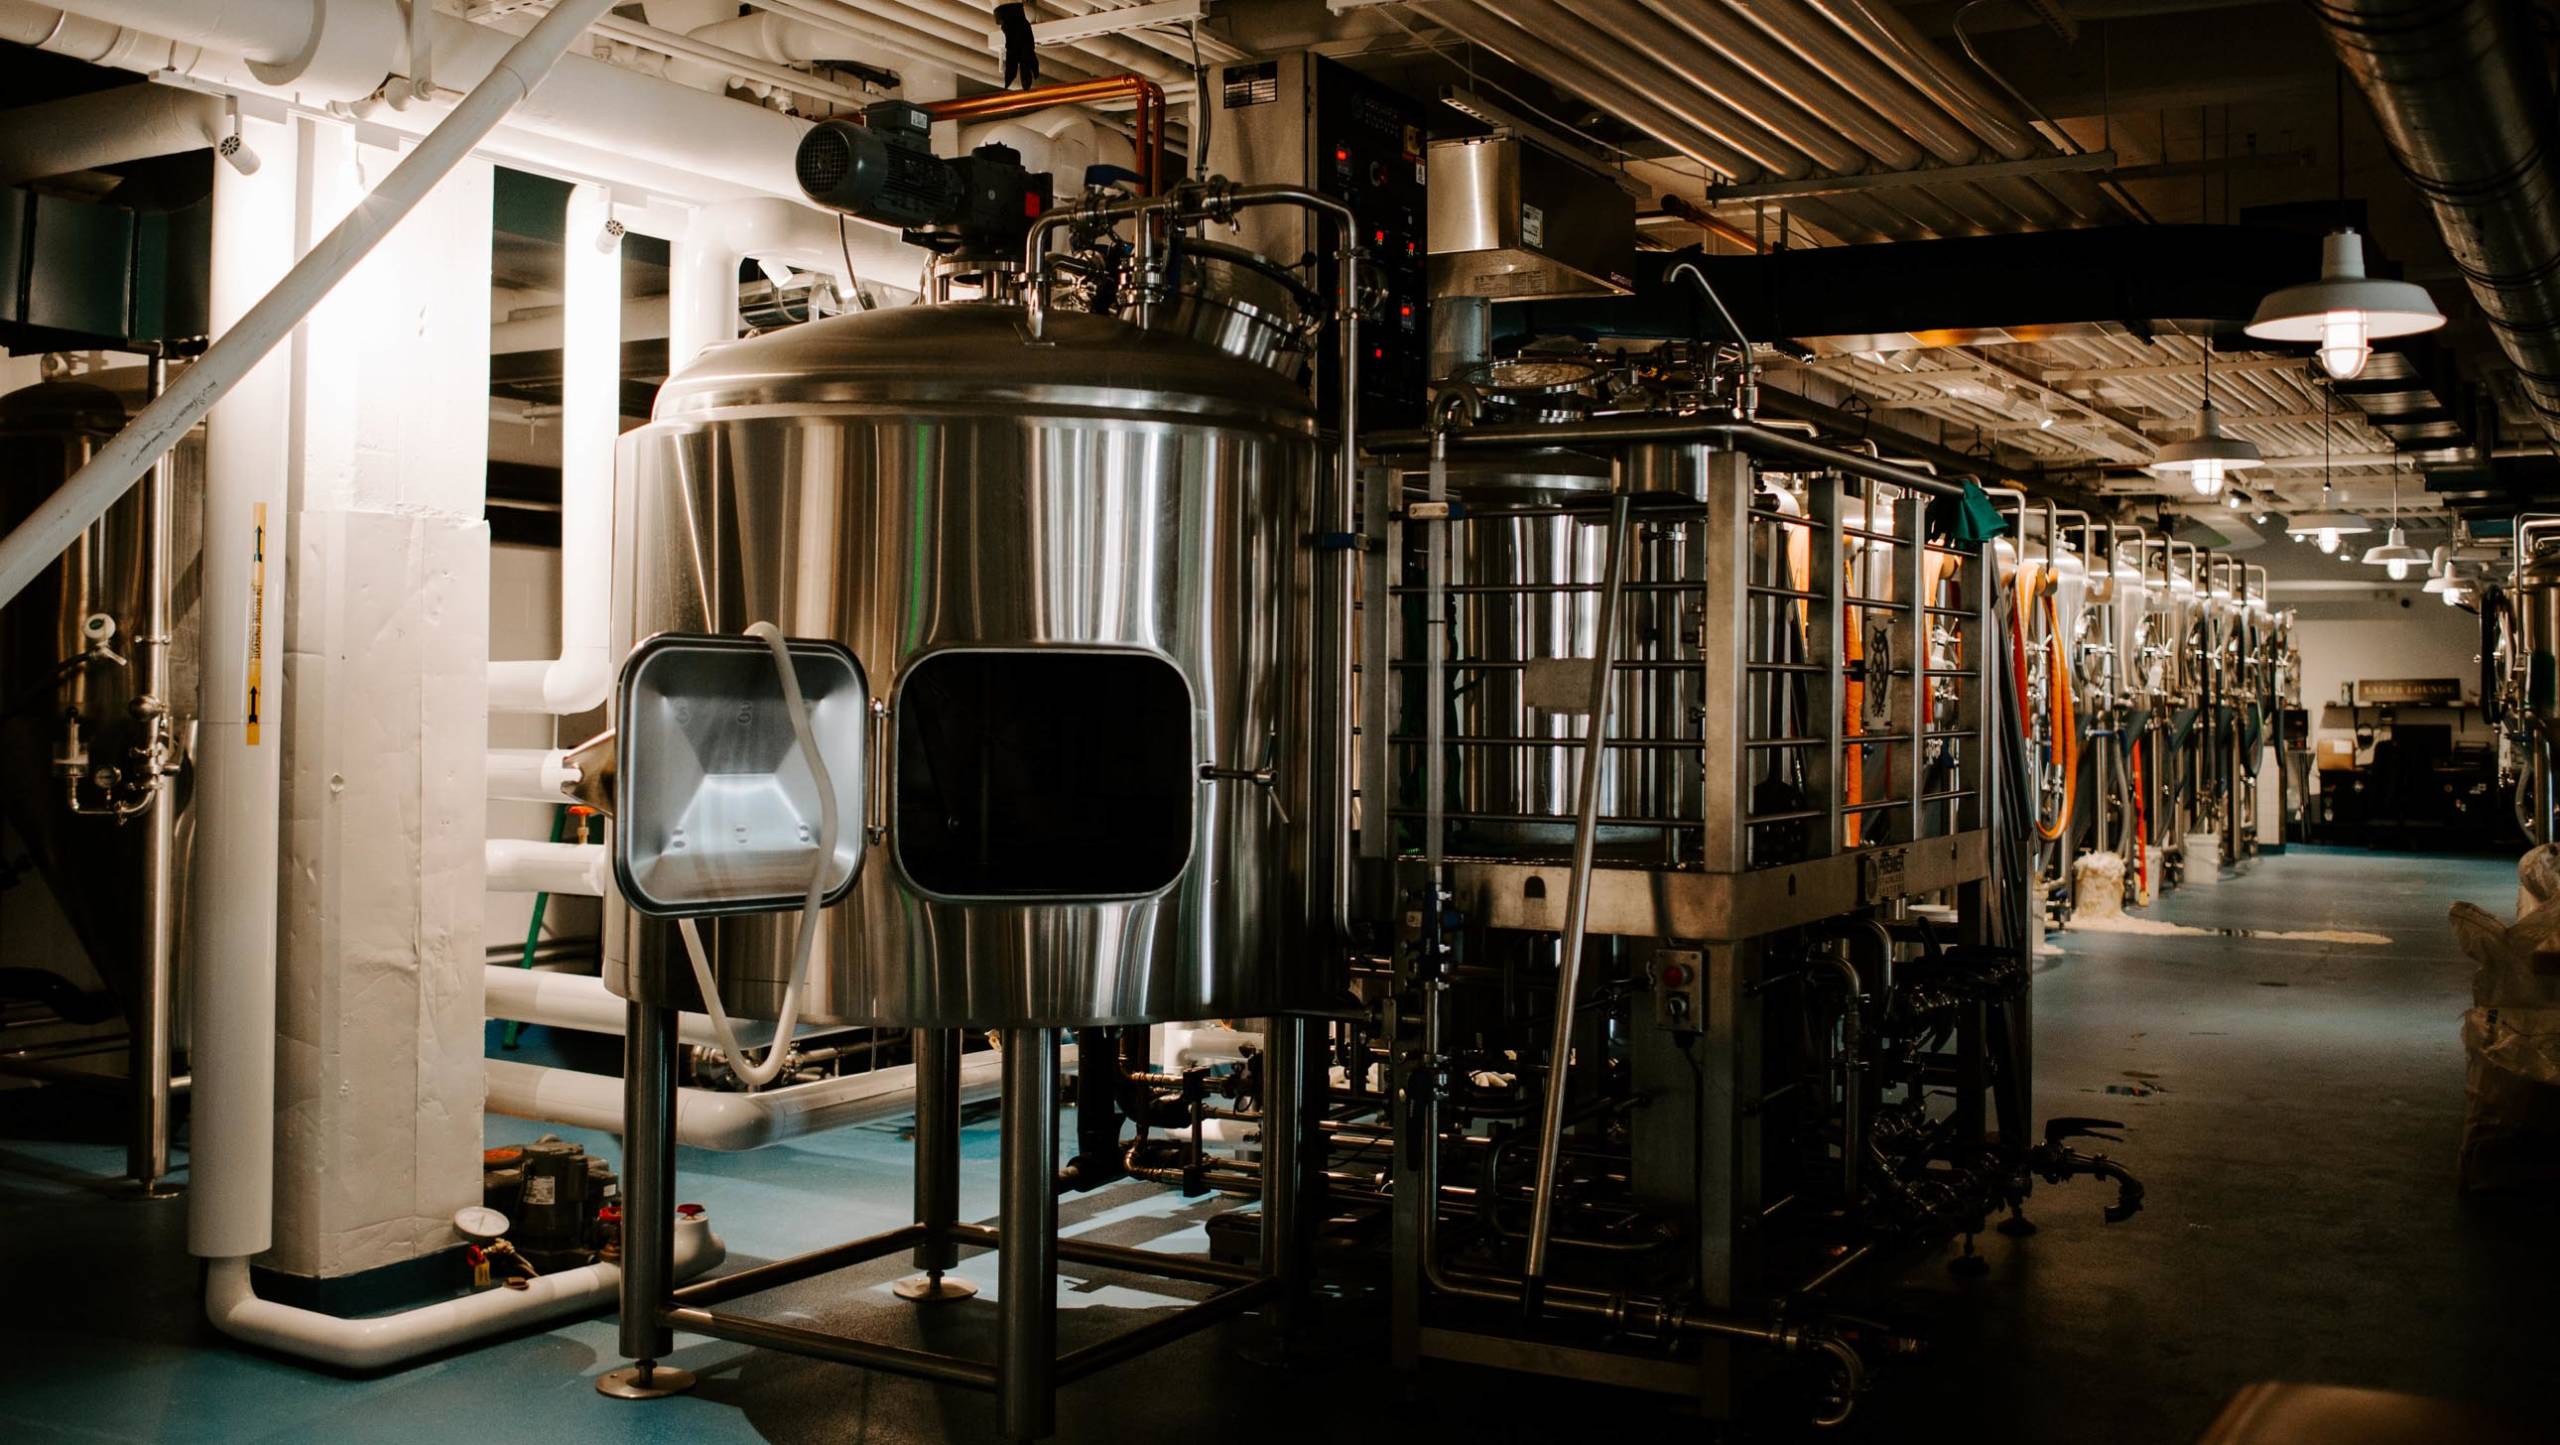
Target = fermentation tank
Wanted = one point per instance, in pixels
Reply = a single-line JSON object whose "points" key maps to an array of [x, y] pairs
{"points": [[1073, 571], [2537, 612], [61, 683]]}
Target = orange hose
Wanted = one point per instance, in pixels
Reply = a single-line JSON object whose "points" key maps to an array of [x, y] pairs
{"points": [[2141, 823], [2064, 727]]}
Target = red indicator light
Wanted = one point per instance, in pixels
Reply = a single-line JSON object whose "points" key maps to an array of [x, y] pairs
{"points": [[1342, 154], [1405, 310], [1031, 205], [1675, 975]]}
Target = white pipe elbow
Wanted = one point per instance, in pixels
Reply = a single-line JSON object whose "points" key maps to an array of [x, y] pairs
{"points": [[578, 680], [231, 1303]]}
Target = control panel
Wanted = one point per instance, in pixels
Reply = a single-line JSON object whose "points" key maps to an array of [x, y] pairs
{"points": [[1679, 984], [1370, 150], [1302, 120]]}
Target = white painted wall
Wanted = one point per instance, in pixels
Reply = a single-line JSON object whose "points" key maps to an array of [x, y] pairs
{"points": [[2344, 642], [378, 1071]]}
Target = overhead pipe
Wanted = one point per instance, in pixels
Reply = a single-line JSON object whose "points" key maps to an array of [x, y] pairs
{"points": [[1889, 36], [2459, 91], [105, 128], [1769, 154], [334, 51], [1149, 120], [1707, 70], [1793, 29], [588, 118], [375, 1342], [114, 468], [1626, 97]]}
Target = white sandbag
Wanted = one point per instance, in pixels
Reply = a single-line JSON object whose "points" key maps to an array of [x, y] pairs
{"points": [[2097, 886]]}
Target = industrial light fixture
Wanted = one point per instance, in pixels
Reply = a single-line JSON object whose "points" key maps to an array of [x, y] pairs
{"points": [[2327, 525], [2208, 458], [2325, 528], [2395, 556], [2345, 311]]}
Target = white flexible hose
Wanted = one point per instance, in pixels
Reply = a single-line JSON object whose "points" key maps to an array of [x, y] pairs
{"points": [[756, 1076]]}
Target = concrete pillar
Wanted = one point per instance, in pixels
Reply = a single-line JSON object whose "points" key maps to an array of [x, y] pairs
{"points": [[386, 657]]}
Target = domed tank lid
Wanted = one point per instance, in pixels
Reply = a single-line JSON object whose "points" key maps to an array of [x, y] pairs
{"points": [[983, 356]]}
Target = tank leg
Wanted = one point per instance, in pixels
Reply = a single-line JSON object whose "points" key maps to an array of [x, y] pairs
{"points": [[1284, 1230], [937, 1139], [648, 1206], [1027, 1306]]}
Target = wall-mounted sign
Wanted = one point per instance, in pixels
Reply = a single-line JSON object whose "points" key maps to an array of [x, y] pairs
{"points": [[2409, 692]]}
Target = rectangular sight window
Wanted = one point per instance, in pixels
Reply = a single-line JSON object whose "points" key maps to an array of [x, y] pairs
{"points": [[1044, 773]]}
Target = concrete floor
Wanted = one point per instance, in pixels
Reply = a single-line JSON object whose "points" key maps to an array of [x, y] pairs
{"points": [[2293, 1107]]}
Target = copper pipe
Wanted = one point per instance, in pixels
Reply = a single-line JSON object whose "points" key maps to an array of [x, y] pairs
{"points": [[1704, 220], [1147, 126]]}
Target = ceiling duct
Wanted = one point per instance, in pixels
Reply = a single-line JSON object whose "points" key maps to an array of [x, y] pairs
{"points": [[2458, 89]]}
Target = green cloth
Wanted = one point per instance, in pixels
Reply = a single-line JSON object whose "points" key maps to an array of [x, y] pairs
{"points": [[1967, 521]]}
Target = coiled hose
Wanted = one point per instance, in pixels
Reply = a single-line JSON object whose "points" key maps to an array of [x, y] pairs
{"points": [[2061, 727]]}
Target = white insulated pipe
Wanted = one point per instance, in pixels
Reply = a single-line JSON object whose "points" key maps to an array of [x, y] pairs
{"points": [[378, 1341], [717, 1119], [321, 50], [531, 775], [702, 291], [106, 128], [588, 117], [239, 778], [590, 421], [113, 469], [580, 1001], [520, 865]]}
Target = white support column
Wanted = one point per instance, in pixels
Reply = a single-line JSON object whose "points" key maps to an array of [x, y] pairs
{"points": [[379, 1087]]}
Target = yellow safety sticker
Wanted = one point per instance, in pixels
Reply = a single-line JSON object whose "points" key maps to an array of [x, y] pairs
{"points": [[257, 617]]}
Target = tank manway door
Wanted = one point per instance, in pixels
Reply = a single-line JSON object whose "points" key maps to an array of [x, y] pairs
{"points": [[1048, 773], [718, 806]]}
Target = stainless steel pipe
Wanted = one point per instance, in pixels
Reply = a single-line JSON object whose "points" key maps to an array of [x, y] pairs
{"points": [[1577, 908], [147, 1152]]}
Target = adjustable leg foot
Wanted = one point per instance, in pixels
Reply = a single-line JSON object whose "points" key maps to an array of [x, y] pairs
{"points": [[2017, 1225], [931, 1285], [1968, 1265], [644, 1380]]}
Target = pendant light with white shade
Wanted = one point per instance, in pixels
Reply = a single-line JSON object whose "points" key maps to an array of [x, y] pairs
{"points": [[2207, 459], [2326, 526], [2395, 556], [2345, 311]]}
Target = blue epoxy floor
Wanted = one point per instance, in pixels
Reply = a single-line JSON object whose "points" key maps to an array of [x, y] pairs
{"points": [[2294, 1108]]}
